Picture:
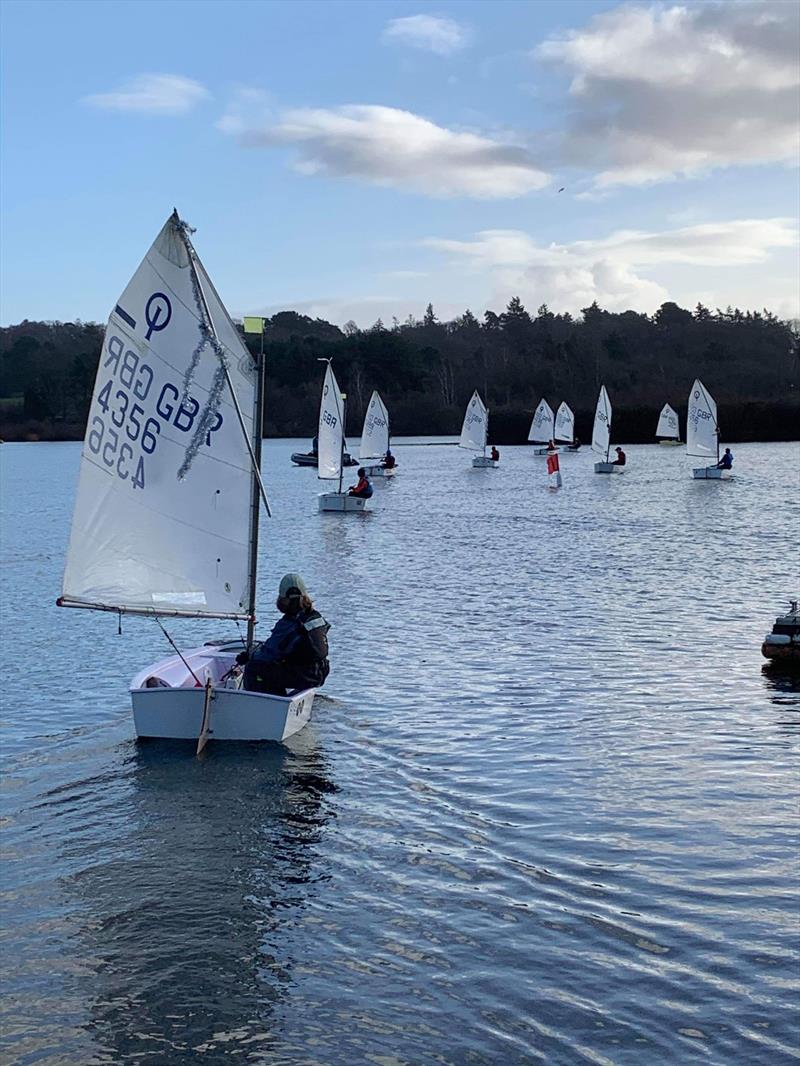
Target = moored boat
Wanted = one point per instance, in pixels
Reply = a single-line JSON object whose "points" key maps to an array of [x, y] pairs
{"points": [[783, 643], [312, 459]]}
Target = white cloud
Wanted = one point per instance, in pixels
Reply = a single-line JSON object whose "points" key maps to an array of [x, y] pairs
{"points": [[246, 107], [386, 146], [432, 33], [152, 94], [570, 276], [663, 91]]}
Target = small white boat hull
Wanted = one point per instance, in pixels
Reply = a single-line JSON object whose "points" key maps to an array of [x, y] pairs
{"points": [[171, 706], [380, 471], [608, 468], [177, 714], [670, 443], [483, 461], [341, 502], [711, 473], [546, 451]]}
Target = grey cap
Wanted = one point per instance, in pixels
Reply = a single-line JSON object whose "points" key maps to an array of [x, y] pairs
{"points": [[292, 581]]}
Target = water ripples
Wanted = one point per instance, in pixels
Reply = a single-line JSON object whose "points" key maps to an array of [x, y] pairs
{"points": [[546, 812]]}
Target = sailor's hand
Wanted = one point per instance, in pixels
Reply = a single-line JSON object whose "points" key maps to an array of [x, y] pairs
{"points": [[243, 657]]}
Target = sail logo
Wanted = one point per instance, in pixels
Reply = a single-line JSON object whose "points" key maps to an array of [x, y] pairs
{"points": [[119, 427], [157, 313]]}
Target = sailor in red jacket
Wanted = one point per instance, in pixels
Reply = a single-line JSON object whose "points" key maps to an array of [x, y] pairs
{"points": [[363, 488]]}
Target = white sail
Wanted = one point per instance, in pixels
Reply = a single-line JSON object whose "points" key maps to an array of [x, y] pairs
{"points": [[375, 436], [668, 423], [542, 429], [601, 431], [565, 424], [331, 430], [701, 423], [145, 539], [475, 429]]}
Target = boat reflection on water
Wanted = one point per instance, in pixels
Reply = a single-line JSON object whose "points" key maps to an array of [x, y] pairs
{"points": [[192, 929], [782, 676]]}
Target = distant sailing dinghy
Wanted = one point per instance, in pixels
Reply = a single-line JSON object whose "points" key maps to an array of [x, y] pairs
{"points": [[702, 433], [375, 438], [475, 431], [601, 435], [167, 508], [542, 429], [331, 447], [565, 428], [668, 429]]}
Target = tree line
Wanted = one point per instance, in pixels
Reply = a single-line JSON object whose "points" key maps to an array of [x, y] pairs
{"points": [[426, 370]]}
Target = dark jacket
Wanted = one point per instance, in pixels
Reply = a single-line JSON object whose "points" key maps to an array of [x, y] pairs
{"points": [[299, 643]]}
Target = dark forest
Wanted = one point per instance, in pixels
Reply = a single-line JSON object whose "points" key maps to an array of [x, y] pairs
{"points": [[427, 369]]}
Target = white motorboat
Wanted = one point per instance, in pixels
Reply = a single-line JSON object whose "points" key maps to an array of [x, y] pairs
{"points": [[475, 432], [668, 428], [167, 509], [702, 434], [542, 430], [375, 438], [331, 448], [782, 645], [601, 435]]}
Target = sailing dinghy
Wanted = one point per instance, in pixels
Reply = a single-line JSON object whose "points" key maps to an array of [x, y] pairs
{"points": [[331, 447], [702, 433], [542, 429], [601, 435], [475, 431], [375, 438], [167, 508], [565, 428], [668, 428]]}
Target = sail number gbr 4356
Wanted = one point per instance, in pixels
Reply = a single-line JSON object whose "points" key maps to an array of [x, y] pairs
{"points": [[122, 432]]}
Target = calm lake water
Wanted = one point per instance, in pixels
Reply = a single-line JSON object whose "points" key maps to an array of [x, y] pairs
{"points": [[547, 810]]}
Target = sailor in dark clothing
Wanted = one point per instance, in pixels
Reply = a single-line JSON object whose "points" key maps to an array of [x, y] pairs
{"points": [[621, 458], [726, 462], [295, 655], [389, 462]]}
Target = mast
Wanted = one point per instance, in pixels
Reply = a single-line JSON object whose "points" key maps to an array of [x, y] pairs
{"points": [[485, 431], [343, 396], [254, 447], [608, 421], [255, 495]]}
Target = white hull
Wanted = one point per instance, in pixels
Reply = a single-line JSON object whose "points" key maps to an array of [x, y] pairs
{"points": [[546, 451], [341, 502], [711, 473], [671, 443], [484, 461], [608, 468], [380, 471], [174, 709]]}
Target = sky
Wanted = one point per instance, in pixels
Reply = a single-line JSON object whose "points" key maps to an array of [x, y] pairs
{"points": [[357, 160]]}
